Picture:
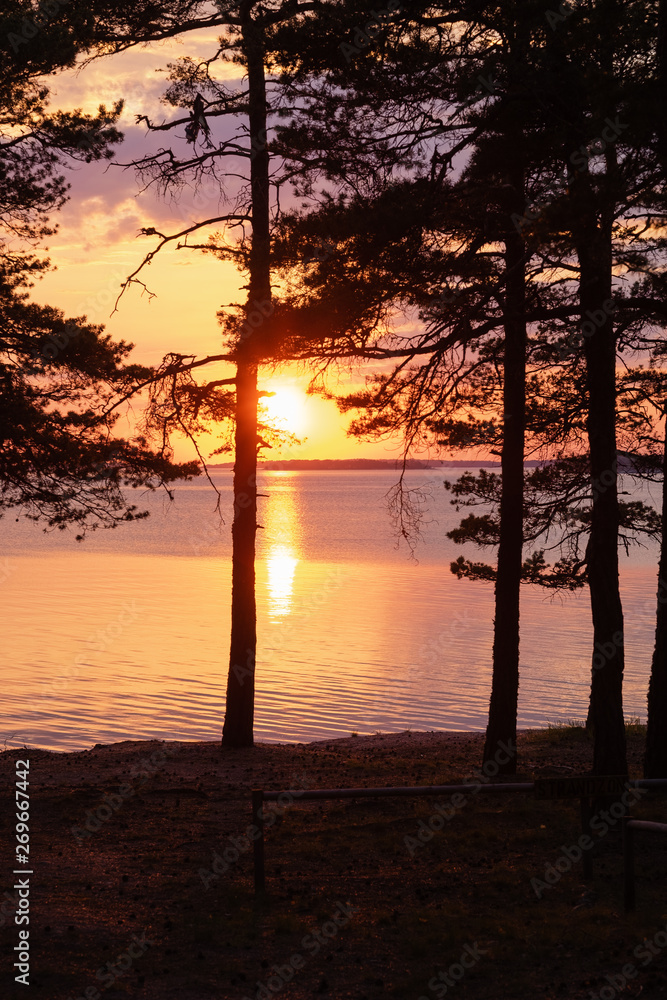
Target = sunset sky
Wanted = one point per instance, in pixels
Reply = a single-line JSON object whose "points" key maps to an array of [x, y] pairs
{"points": [[98, 246]]}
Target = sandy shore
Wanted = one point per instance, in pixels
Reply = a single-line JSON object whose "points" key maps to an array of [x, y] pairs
{"points": [[265, 763], [124, 839]]}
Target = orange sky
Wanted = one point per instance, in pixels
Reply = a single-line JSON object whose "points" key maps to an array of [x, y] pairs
{"points": [[97, 247]]}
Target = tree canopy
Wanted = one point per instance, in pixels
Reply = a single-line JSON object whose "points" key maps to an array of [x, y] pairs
{"points": [[62, 379]]}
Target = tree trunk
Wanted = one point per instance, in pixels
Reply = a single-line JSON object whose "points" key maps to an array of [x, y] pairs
{"points": [[239, 713], [661, 123], [593, 219], [655, 761], [238, 727], [606, 706], [501, 728]]}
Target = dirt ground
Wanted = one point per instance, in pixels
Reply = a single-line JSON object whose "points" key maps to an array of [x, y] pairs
{"points": [[142, 877]]}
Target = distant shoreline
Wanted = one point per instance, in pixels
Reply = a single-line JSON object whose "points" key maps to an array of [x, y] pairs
{"points": [[367, 464]]}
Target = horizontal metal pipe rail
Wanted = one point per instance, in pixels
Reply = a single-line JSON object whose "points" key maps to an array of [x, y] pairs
{"points": [[629, 828], [352, 793], [357, 793]]}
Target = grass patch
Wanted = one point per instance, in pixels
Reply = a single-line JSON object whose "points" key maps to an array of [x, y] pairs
{"points": [[568, 728], [567, 731], [633, 727]]}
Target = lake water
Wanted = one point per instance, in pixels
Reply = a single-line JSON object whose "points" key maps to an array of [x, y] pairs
{"points": [[126, 635]]}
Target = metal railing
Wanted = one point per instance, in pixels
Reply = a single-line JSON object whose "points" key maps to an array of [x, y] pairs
{"points": [[584, 787]]}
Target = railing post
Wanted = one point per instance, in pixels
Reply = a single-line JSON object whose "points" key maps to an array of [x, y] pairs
{"points": [[628, 865], [258, 847], [586, 816]]}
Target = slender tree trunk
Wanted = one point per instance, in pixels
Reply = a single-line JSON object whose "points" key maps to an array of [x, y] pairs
{"points": [[501, 728], [661, 123], [655, 761], [606, 705], [593, 214], [238, 726], [239, 714]]}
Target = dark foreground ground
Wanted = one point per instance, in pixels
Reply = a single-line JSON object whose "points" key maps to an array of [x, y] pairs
{"points": [[155, 900]]}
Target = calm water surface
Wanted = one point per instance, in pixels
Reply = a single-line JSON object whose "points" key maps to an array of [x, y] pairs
{"points": [[126, 635]]}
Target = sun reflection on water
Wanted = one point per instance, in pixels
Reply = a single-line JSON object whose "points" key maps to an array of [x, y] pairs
{"points": [[281, 537], [281, 567]]}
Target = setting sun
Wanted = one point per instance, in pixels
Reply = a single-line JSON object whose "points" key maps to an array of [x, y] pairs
{"points": [[286, 409]]}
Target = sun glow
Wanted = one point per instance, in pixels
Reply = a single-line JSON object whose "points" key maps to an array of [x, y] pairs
{"points": [[286, 410]]}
